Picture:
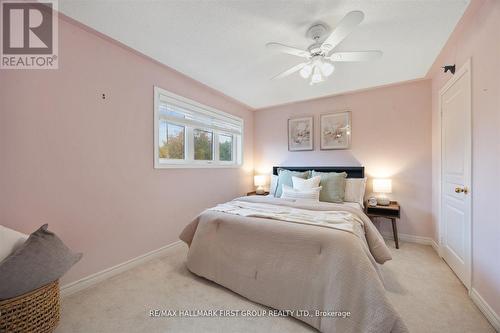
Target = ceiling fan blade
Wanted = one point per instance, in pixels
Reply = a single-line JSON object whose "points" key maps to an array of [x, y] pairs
{"points": [[355, 56], [343, 29], [288, 49], [289, 71]]}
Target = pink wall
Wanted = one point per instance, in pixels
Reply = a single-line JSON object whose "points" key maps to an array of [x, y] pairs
{"points": [[477, 37], [391, 137], [85, 165]]}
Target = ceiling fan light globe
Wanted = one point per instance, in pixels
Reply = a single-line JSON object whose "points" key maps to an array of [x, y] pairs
{"points": [[327, 68], [316, 77], [306, 71]]}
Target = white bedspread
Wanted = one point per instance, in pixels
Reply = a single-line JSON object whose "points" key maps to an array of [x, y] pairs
{"points": [[297, 256]]}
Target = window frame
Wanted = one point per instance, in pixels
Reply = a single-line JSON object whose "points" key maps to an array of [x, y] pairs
{"points": [[189, 126]]}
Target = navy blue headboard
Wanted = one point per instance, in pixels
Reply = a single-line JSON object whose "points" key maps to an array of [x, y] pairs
{"points": [[352, 172]]}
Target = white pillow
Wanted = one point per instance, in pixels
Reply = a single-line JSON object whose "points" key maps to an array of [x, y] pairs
{"points": [[10, 240], [355, 190], [306, 195], [305, 184]]}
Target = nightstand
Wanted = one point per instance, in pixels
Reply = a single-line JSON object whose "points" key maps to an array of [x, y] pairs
{"points": [[254, 193], [391, 212]]}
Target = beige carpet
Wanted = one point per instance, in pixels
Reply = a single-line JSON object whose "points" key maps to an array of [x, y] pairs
{"points": [[420, 285]]}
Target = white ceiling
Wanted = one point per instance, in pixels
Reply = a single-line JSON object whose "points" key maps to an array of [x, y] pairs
{"points": [[221, 43]]}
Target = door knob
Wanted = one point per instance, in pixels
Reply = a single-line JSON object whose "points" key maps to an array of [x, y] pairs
{"points": [[461, 190]]}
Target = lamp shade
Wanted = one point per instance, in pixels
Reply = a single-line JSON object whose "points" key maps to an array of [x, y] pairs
{"points": [[259, 180], [382, 185]]}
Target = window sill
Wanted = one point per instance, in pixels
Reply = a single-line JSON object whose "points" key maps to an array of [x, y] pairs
{"points": [[197, 166]]}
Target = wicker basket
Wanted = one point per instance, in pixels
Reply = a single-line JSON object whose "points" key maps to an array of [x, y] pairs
{"points": [[34, 312]]}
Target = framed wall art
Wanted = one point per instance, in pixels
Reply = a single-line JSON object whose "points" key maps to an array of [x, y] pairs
{"points": [[335, 130], [300, 134]]}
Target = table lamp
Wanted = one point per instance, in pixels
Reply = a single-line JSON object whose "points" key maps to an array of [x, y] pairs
{"points": [[259, 181], [382, 186]]}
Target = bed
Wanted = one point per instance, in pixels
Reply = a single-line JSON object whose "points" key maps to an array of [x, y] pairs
{"points": [[319, 262]]}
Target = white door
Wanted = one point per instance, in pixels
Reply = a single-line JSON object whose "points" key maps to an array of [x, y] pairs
{"points": [[455, 226]]}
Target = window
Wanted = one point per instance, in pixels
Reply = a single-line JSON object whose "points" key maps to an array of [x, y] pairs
{"points": [[189, 134], [203, 145], [225, 147], [172, 141]]}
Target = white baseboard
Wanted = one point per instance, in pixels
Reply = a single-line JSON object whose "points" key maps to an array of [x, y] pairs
{"points": [[95, 278], [435, 246], [486, 309], [413, 239]]}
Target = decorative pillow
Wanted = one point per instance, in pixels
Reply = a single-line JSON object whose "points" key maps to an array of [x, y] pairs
{"points": [[274, 185], [355, 190], [285, 178], [308, 195], [305, 184], [43, 258], [10, 241], [333, 186]]}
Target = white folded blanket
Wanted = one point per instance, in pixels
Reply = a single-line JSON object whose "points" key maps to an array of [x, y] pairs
{"points": [[341, 220]]}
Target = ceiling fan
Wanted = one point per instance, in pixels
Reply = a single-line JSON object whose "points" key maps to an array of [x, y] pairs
{"points": [[319, 57]]}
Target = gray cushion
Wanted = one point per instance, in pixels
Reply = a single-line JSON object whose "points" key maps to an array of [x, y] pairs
{"points": [[332, 186], [285, 178], [43, 258]]}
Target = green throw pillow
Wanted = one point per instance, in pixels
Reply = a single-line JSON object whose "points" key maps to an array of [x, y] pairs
{"points": [[285, 178], [333, 186]]}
